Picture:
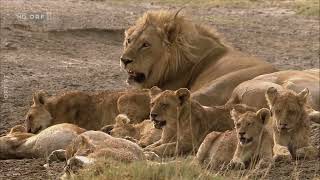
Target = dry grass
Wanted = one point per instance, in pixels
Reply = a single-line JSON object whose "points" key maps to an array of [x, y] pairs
{"points": [[184, 169], [303, 7]]}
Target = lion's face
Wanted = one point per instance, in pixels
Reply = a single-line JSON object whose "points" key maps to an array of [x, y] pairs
{"points": [[287, 108], [38, 117], [249, 125], [142, 56], [164, 104]]}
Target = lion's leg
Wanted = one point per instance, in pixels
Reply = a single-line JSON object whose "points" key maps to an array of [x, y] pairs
{"points": [[151, 146], [237, 161], [281, 153], [219, 90], [167, 149], [265, 154], [308, 152], [206, 145]]}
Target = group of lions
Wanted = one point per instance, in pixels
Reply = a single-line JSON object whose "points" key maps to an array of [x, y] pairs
{"points": [[194, 95]]}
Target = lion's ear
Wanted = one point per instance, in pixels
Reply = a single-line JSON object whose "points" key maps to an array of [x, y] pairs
{"points": [[271, 95], [235, 115], [303, 95], [154, 91], [171, 31], [263, 115], [129, 31], [183, 95], [122, 119], [40, 97]]}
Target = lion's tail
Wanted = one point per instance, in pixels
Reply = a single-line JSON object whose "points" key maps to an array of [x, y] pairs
{"points": [[206, 145]]}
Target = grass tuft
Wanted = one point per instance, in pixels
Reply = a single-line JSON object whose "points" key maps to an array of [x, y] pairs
{"points": [[184, 169]]}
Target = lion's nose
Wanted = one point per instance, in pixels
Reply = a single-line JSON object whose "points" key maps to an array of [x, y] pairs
{"points": [[283, 125], [153, 115], [242, 133], [125, 60]]}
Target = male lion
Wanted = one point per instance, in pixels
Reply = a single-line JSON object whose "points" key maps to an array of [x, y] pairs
{"points": [[291, 124], [143, 133], [20, 144], [250, 142], [87, 110], [165, 49], [185, 122]]}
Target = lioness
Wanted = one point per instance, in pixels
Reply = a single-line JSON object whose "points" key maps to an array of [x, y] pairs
{"points": [[291, 124], [249, 143], [20, 144], [252, 92], [165, 49], [91, 111], [143, 133], [183, 119]]}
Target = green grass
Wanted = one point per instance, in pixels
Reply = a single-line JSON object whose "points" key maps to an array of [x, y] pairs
{"points": [[183, 169], [307, 7]]}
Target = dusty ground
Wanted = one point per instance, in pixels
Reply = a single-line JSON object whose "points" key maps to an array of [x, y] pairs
{"points": [[76, 46]]}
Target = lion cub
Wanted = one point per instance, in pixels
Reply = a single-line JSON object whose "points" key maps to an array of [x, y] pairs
{"points": [[249, 142], [143, 133], [254, 139], [291, 124], [92, 146], [20, 144], [185, 122]]}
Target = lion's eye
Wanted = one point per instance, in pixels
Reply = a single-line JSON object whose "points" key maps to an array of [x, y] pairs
{"points": [[278, 111], [238, 125], [145, 45], [30, 117], [164, 105], [151, 104]]}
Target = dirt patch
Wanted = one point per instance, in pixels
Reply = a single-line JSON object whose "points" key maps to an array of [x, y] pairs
{"points": [[78, 44]]}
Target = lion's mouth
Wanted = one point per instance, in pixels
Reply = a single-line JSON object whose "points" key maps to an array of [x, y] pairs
{"points": [[136, 76], [244, 140], [158, 124]]}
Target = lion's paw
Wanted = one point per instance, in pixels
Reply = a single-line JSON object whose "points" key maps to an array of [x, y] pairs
{"points": [[264, 163], [306, 153], [56, 156], [282, 157], [237, 165], [152, 156]]}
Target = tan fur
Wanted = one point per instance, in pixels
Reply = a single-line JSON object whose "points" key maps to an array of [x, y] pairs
{"points": [[87, 110], [143, 133], [252, 92], [291, 124], [20, 144], [92, 146], [185, 122], [218, 149], [172, 52]]}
